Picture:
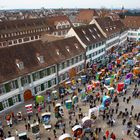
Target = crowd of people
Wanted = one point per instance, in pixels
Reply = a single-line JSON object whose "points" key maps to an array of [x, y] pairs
{"points": [[111, 114]]}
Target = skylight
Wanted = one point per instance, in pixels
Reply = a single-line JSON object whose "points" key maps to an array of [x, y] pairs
{"points": [[83, 31], [87, 38], [94, 36], [76, 45], [90, 30], [99, 36], [95, 29], [57, 51], [67, 48], [20, 64]]}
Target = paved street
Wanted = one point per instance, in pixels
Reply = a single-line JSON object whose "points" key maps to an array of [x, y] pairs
{"points": [[118, 129]]}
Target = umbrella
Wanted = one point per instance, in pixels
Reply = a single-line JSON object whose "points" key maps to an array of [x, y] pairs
{"points": [[86, 122], [39, 99]]}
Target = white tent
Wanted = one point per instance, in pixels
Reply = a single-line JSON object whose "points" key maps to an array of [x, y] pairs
{"points": [[65, 136]]}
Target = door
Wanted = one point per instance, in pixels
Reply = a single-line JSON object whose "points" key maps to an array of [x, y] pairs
{"points": [[27, 95]]}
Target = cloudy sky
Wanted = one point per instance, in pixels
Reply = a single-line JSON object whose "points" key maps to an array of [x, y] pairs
{"points": [[17, 4]]}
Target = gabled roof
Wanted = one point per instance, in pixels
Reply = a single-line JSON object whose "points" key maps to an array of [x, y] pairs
{"points": [[109, 26], [86, 15], [132, 22], [89, 34], [26, 53]]}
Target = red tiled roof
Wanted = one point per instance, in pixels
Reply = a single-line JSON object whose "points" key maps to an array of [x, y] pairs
{"points": [[109, 26], [85, 16], [132, 22], [27, 54]]}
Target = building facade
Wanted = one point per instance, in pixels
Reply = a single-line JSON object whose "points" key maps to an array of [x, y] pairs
{"points": [[114, 31], [35, 67], [92, 40]]}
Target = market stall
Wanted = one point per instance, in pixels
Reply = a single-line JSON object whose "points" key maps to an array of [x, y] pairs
{"points": [[65, 137], [45, 117]]}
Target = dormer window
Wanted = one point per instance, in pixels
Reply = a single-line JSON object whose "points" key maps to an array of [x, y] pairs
{"points": [[57, 51], [76, 45], [90, 30], [19, 64], [95, 29], [40, 58], [99, 36], [67, 47], [83, 31], [87, 38], [94, 36]]}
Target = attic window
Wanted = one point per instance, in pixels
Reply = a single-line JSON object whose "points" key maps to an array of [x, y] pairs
{"points": [[20, 64], [87, 38], [94, 29], [83, 31], [76, 45], [90, 30], [94, 36], [67, 48], [99, 36], [40, 58], [57, 51]]}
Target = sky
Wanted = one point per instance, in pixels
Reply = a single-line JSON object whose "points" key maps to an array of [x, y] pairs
{"points": [[29, 4]]}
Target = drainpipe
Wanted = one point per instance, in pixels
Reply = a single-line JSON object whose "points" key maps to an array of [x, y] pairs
{"points": [[57, 75]]}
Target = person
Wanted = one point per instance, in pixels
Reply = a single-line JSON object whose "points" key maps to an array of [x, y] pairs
{"points": [[112, 136], [132, 107], [16, 132], [107, 134], [123, 122]]}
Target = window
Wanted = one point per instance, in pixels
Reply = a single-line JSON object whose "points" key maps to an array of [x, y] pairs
{"points": [[25, 80], [53, 70], [90, 47], [87, 38], [48, 71], [20, 64], [5, 104], [40, 58], [36, 37], [53, 82], [13, 85], [80, 57], [38, 89], [77, 59], [72, 61], [68, 63], [63, 65], [36, 76], [15, 41], [10, 42], [2, 89], [20, 40], [26, 39], [46, 85], [32, 37], [15, 99]]}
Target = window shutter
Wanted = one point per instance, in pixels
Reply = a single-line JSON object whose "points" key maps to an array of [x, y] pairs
{"points": [[1, 106], [10, 100], [7, 87], [42, 87]]}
